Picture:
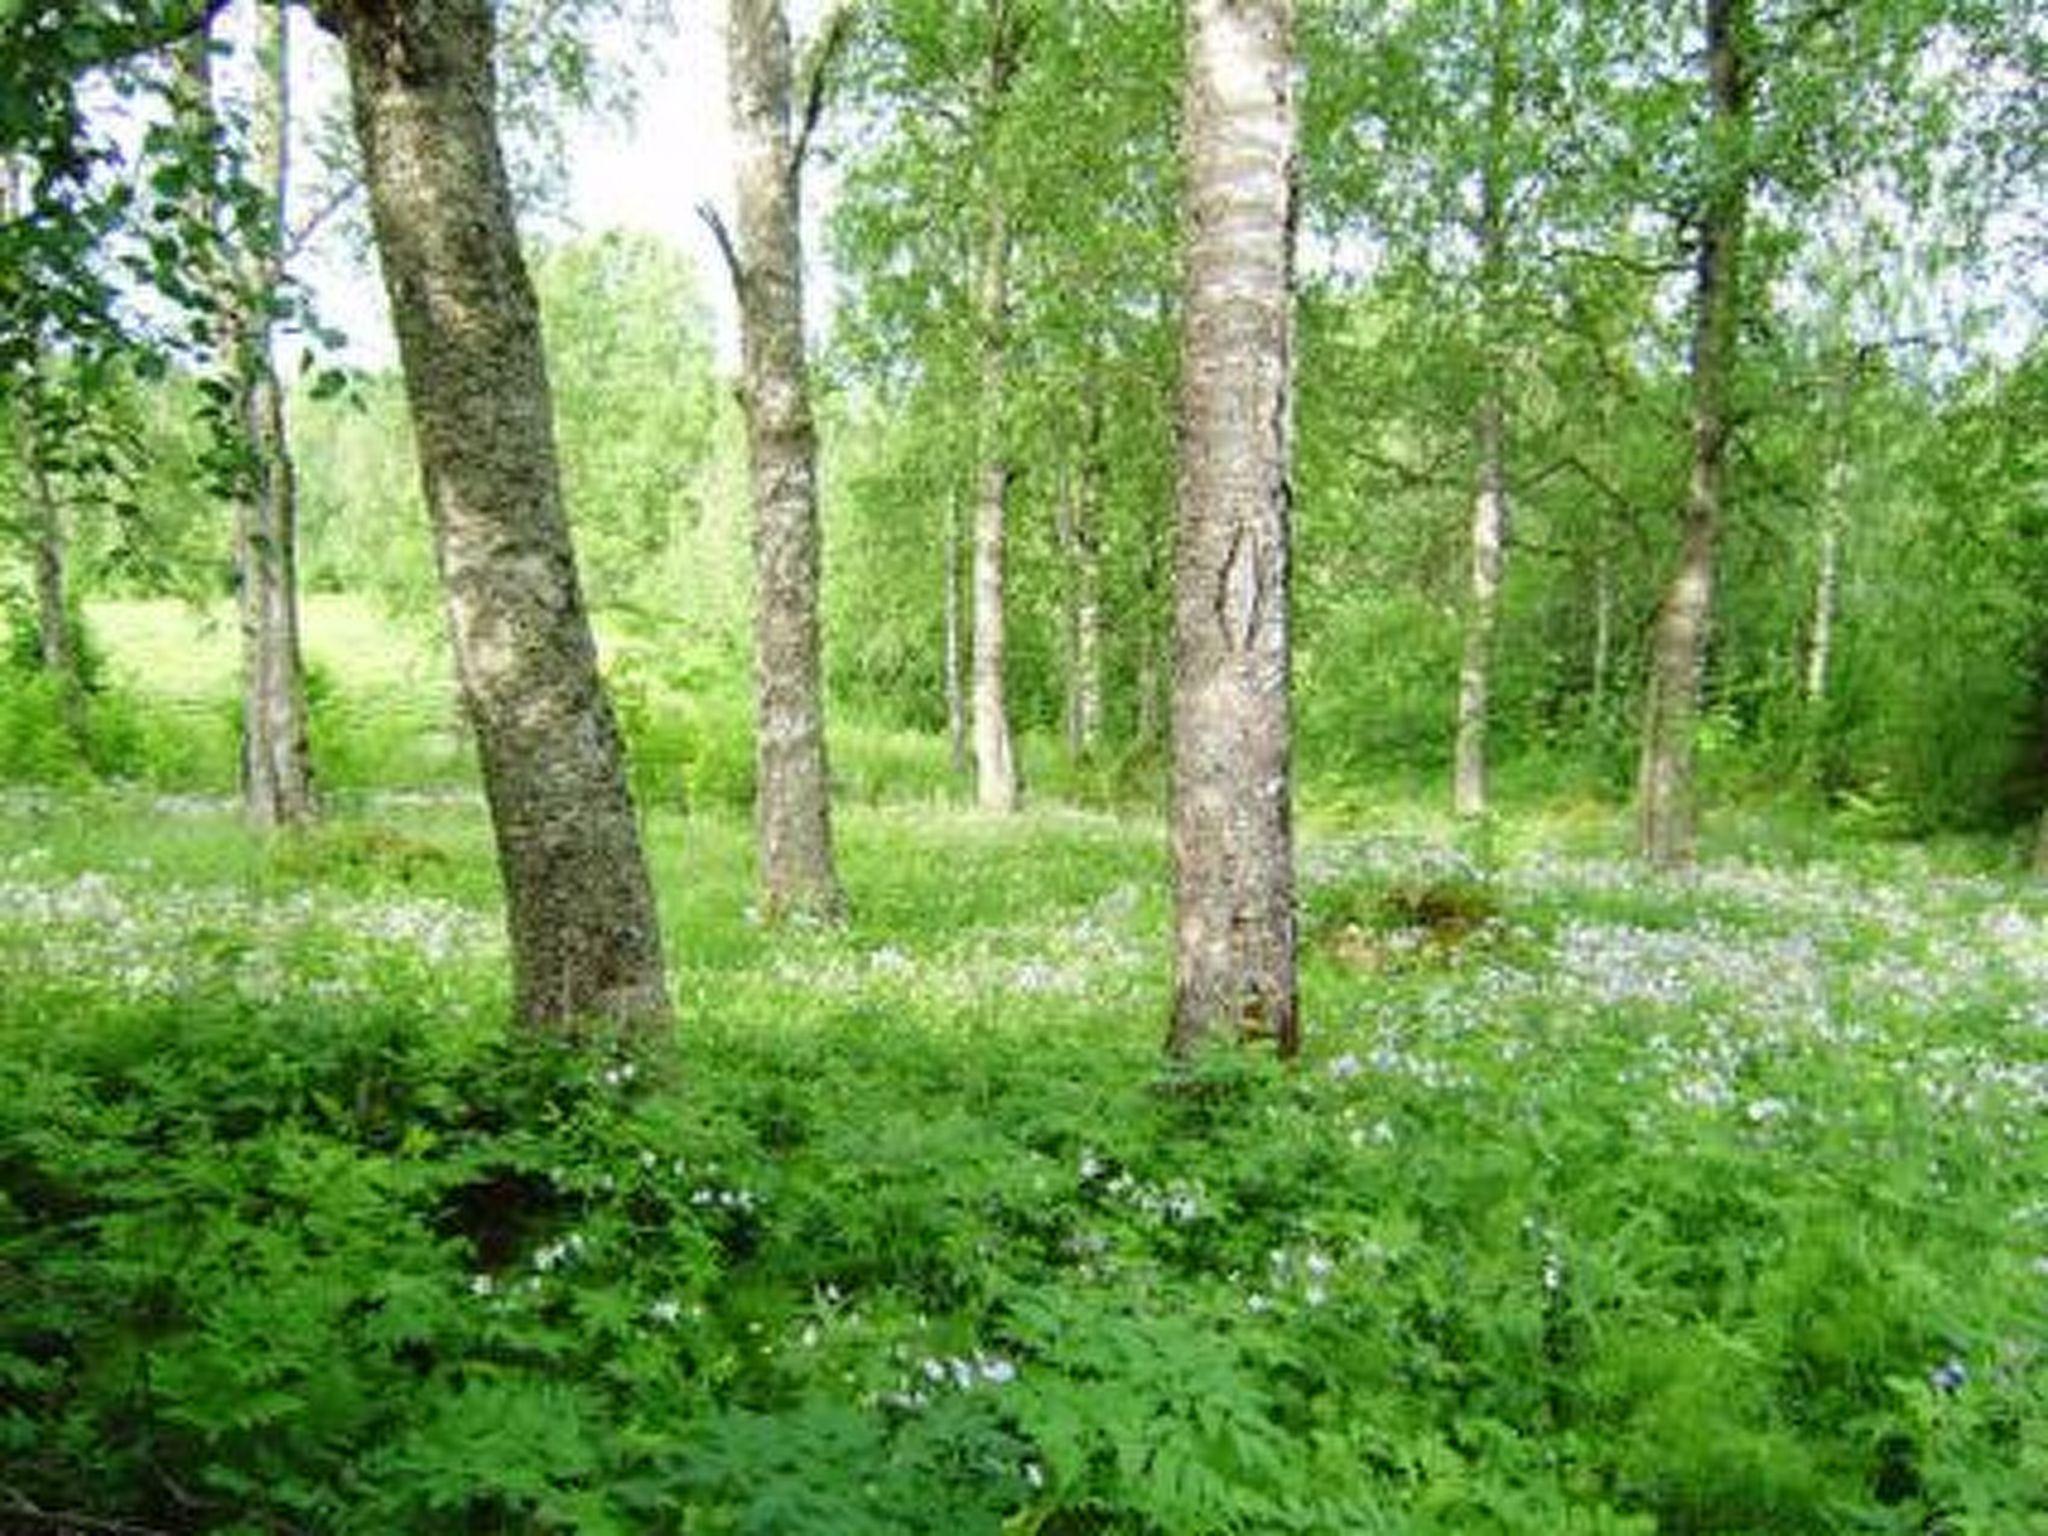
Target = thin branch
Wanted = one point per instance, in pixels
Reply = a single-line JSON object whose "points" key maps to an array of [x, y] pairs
{"points": [[1433, 475], [817, 82], [298, 239], [1619, 499], [715, 222], [1640, 266]]}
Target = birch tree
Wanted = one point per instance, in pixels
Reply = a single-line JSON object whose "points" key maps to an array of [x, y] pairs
{"points": [[995, 761], [1665, 785], [792, 807], [585, 943], [1232, 835], [277, 775]]}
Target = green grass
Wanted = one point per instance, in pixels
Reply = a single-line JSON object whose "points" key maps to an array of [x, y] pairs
{"points": [[167, 649], [1599, 1204]]}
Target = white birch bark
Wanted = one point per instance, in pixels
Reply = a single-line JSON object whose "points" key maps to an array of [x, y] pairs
{"points": [[586, 946], [1232, 832], [792, 807]]}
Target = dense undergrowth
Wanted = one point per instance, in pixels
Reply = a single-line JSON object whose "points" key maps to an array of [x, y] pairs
{"points": [[1600, 1205]]}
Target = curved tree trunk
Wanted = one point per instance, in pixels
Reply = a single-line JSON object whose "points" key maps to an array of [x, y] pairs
{"points": [[1666, 793], [585, 943], [792, 804], [1232, 833], [277, 772]]}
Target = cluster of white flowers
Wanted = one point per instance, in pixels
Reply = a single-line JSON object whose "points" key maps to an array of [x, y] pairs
{"points": [[954, 1373], [144, 939], [1175, 1202], [1713, 993], [719, 1198], [1101, 953], [560, 1253]]}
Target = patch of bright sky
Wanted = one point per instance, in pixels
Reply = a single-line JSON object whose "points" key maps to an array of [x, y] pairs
{"points": [[649, 173]]}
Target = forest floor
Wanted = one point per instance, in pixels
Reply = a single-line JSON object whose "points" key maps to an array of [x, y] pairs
{"points": [[1599, 1203]]}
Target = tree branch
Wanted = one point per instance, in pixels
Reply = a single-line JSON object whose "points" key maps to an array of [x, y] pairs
{"points": [[297, 240], [1640, 266], [1433, 475], [715, 222], [817, 82]]}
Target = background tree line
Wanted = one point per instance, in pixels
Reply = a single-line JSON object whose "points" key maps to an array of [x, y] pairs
{"points": [[1664, 423]]}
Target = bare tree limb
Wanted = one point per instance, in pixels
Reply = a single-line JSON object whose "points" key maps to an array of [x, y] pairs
{"points": [[1432, 475], [340, 197], [817, 81], [1640, 266], [715, 222]]}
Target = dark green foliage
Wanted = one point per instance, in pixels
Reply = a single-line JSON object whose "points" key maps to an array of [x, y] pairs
{"points": [[903, 1237]]}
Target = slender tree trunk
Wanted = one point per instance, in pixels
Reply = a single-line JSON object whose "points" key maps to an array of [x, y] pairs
{"points": [[48, 545], [1152, 642], [53, 605], [792, 802], [1233, 854], [1088, 510], [1079, 511], [1064, 522], [586, 946], [1827, 575], [1489, 551], [1490, 503], [277, 773], [45, 526], [1603, 638], [1820, 643], [995, 765], [1666, 790], [49, 556], [956, 700]]}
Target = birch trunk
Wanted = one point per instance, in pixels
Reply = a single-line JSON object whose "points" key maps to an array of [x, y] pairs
{"points": [[1489, 549], [1666, 789], [585, 943], [1490, 501], [1603, 638], [48, 552], [792, 804], [1827, 575], [1827, 578], [1232, 834], [1088, 509], [995, 765], [956, 701], [49, 555], [1079, 542], [277, 773]]}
